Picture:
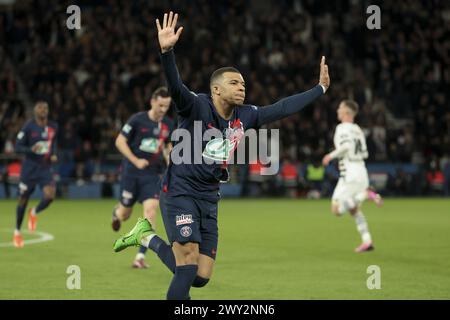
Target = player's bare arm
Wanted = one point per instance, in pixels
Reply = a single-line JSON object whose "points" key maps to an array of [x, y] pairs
{"points": [[167, 36], [122, 146], [166, 152]]}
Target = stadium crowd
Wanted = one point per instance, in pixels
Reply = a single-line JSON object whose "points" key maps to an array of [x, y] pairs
{"points": [[96, 77]]}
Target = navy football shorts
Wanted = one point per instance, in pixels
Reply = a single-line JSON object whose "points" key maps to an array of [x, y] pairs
{"points": [[138, 188], [188, 219], [32, 175]]}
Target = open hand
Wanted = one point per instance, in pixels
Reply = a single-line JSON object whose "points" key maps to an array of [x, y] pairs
{"points": [[166, 34], [324, 76]]}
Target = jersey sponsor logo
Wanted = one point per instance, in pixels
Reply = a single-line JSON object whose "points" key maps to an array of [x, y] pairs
{"points": [[220, 149], [149, 145], [186, 231], [143, 130], [184, 219], [126, 128], [44, 147]]}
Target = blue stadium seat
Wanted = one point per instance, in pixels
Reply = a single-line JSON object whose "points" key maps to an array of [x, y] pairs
{"points": [[85, 191]]}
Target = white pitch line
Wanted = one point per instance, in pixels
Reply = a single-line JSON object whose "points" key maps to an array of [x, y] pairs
{"points": [[43, 237]]}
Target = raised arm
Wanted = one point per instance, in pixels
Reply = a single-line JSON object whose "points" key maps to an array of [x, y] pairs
{"points": [[293, 104], [184, 99]]}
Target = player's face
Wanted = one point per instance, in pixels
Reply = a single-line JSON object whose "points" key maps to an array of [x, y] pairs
{"points": [[342, 111], [41, 110], [160, 105], [232, 88]]}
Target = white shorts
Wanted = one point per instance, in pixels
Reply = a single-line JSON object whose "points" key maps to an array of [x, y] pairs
{"points": [[350, 189]]}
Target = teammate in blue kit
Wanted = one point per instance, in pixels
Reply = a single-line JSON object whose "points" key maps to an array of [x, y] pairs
{"points": [[145, 143], [191, 191], [37, 140]]}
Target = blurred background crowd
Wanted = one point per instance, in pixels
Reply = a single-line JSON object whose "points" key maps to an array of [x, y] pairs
{"points": [[96, 77]]}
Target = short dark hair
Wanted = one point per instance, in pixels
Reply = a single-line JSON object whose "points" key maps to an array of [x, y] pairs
{"points": [[38, 101], [219, 72], [352, 105], [162, 92]]}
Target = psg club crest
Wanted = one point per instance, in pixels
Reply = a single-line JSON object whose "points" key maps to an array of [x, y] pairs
{"points": [[186, 231]]}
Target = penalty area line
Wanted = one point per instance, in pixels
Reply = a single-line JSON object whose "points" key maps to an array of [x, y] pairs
{"points": [[42, 237]]}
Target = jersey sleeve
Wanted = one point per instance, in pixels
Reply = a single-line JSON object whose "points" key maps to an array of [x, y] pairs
{"points": [[288, 106], [130, 127], [342, 135], [184, 99], [22, 142]]}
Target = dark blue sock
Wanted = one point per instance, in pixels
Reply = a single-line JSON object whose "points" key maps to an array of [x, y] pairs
{"points": [[181, 282], [44, 203], [20, 212], [199, 282], [164, 252], [142, 249]]}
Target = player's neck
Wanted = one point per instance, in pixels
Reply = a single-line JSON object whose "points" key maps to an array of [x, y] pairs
{"points": [[41, 121], [224, 109], [153, 116], [347, 120]]}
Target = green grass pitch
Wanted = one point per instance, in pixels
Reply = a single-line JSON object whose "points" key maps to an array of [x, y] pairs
{"points": [[268, 249]]}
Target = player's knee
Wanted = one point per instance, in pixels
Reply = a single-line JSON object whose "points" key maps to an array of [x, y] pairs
{"points": [[187, 253], [150, 213], [49, 195], [200, 282]]}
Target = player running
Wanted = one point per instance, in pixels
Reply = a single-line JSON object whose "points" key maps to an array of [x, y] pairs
{"points": [[191, 191], [144, 142], [37, 140], [353, 185]]}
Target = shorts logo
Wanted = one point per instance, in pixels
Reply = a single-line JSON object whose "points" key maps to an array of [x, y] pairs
{"points": [[184, 219], [22, 187], [127, 194], [186, 231]]}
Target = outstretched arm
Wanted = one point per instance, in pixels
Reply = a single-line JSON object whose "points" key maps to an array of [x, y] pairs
{"points": [[295, 103], [184, 99]]}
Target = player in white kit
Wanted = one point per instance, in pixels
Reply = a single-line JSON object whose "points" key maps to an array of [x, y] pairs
{"points": [[353, 185]]}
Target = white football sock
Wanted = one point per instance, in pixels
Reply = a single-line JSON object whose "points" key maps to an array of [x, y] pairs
{"points": [[146, 240], [140, 256], [363, 228]]}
